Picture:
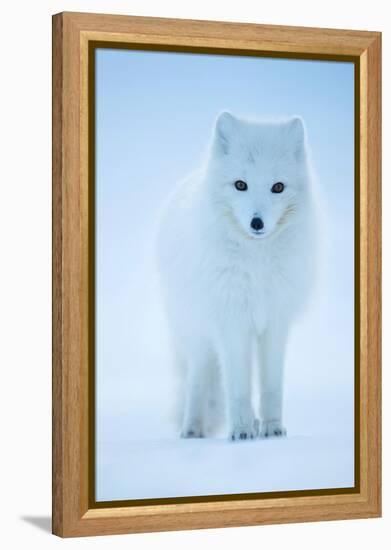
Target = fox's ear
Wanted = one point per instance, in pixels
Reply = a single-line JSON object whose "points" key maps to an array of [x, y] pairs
{"points": [[296, 132], [226, 126], [296, 128]]}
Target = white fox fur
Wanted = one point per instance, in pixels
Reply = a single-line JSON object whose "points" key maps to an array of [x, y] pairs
{"points": [[231, 291]]}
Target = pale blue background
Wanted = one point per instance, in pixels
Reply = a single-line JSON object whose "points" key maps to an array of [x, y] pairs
{"points": [[155, 112]]}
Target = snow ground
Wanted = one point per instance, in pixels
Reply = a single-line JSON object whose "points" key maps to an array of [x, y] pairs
{"points": [[139, 453], [177, 467]]}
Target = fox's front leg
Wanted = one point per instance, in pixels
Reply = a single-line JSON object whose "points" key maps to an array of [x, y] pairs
{"points": [[271, 353], [235, 356], [193, 424]]}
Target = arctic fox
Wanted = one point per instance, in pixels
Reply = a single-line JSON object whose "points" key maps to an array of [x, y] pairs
{"points": [[236, 261]]}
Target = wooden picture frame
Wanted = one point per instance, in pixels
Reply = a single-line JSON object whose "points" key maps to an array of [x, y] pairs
{"points": [[74, 37]]}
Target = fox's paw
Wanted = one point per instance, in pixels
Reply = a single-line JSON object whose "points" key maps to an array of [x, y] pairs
{"points": [[192, 434], [242, 432], [192, 430], [272, 428]]}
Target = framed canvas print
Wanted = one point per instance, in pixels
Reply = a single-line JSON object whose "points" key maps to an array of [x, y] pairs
{"points": [[216, 274]]}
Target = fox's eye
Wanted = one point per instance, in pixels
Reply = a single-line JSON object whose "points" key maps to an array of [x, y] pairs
{"points": [[278, 187], [241, 185]]}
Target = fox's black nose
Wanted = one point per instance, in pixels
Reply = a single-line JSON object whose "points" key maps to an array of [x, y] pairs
{"points": [[257, 224]]}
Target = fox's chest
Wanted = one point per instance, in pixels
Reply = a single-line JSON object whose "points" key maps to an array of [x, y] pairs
{"points": [[254, 289]]}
